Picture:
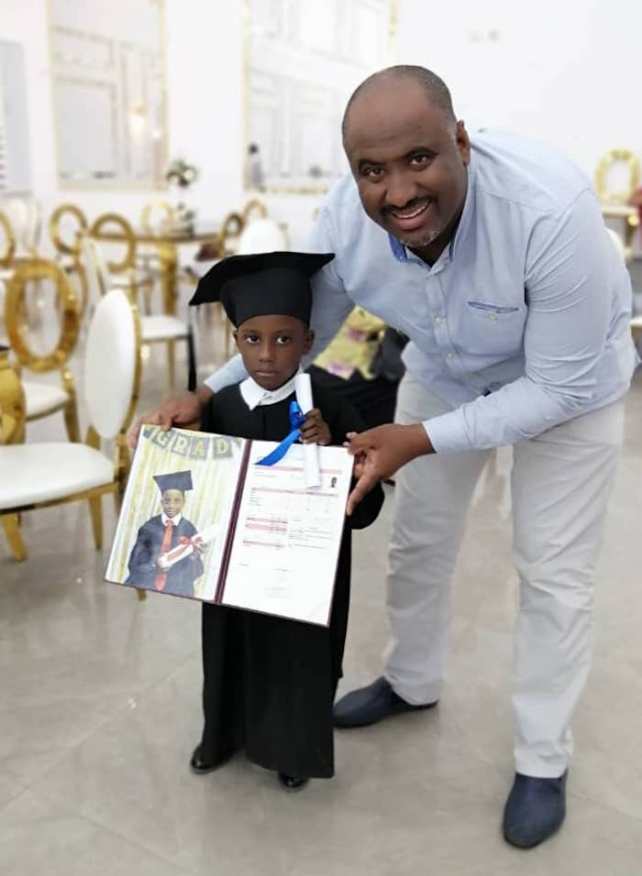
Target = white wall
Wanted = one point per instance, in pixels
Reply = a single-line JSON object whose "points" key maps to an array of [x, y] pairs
{"points": [[564, 71], [204, 105]]}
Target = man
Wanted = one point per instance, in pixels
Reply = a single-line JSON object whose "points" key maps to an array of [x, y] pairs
{"points": [[492, 258]]}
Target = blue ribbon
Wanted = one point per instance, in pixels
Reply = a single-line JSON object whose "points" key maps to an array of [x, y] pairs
{"points": [[296, 421]]}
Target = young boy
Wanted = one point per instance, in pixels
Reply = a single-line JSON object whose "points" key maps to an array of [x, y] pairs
{"points": [[148, 567], [270, 683]]}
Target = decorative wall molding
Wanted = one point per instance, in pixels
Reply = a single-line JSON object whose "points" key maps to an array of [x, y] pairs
{"points": [[15, 163], [302, 61], [109, 70]]}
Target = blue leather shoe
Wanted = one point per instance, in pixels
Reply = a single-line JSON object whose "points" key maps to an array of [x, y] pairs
{"points": [[370, 704], [535, 809]]}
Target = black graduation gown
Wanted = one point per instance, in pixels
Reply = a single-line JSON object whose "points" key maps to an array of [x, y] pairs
{"points": [[269, 683], [142, 560]]}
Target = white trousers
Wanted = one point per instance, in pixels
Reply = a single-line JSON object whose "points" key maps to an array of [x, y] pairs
{"points": [[560, 484]]}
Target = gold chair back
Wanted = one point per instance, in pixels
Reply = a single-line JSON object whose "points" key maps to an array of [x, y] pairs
{"points": [[62, 215], [9, 246], [157, 216], [115, 229], [254, 208], [612, 158], [15, 309], [233, 225], [13, 409]]}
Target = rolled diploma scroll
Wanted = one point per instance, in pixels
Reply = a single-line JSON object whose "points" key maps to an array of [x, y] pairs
{"points": [[311, 472], [205, 536]]}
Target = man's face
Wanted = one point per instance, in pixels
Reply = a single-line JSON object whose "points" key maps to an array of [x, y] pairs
{"points": [[272, 347], [172, 502], [409, 161]]}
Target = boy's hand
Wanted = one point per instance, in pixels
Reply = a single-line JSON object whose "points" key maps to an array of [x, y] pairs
{"points": [[315, 429]]}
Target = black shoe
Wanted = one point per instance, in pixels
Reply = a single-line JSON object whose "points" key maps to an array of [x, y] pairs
{"points": [[200, 766], [535, 809], [367, 705], [292, 783]]}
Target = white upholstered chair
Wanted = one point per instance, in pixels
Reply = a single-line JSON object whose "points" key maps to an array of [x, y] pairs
{"points": [[43, 474], [155, 328], [261, 235]]}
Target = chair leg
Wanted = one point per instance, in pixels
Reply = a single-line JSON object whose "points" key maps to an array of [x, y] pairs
{"points": [[142, 595], [11, 526], [171, 363], [70, 413], [96, 512], [147, 297]]}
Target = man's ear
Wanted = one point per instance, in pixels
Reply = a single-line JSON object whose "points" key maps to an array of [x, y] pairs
{"points": [[235, 335], [308, 341], [463, 142]]}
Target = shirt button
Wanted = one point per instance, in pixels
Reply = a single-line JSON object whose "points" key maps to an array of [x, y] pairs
{"points": [[438, 320], [449, 356], [493, 316]]}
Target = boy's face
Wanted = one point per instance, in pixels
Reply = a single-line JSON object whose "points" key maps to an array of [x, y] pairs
{"points": [[272, 347], [172, 502]]}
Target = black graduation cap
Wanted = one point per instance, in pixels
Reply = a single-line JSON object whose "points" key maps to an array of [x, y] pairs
{"points": [[177, 480], [262, 284]]}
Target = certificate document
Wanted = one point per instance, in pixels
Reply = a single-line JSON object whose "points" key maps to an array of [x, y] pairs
{"points": [[202, 519]]}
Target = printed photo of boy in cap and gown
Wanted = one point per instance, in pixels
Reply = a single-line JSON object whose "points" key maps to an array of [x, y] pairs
{"points": [[153, 563]]}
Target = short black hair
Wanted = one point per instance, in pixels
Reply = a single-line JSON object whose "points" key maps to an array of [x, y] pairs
{"points": [[436, 89]]}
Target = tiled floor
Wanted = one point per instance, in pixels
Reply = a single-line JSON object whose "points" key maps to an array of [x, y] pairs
{"points": [[99, 712]]}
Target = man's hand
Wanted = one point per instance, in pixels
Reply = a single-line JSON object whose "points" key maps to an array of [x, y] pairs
{"points": [[182, 410], [380, 452], [315, 429]]}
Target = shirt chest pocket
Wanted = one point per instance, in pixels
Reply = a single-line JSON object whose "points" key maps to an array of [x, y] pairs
{"points": [[493, 328]]}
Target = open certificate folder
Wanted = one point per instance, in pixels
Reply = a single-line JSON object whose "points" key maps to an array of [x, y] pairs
{"points": [[201, 519]]}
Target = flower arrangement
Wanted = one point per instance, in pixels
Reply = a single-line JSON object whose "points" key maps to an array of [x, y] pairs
{"points": [[181, 173]]}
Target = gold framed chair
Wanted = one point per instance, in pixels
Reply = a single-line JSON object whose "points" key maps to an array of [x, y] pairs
{"points": [[41, 475], [254, 209], [12, 431], [606, 193], [7, 252], [25, 214], [44, 399], [67, 224], [8, 245], [12, 401], [157, 216], [124, 273], [155, 328]]}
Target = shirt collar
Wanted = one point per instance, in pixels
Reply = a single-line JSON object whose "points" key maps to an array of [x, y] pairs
{"points": [[174, 520], [399, 250], [254, 395]]}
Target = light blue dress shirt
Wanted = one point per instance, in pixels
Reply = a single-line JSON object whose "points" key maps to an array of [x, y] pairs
{"points": [[523, 321]]}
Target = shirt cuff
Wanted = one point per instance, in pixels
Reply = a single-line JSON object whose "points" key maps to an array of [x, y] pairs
{"points": [[447, 433], [230, 373]]}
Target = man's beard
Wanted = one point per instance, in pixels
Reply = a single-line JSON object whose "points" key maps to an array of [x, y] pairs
{"points": [[424, 241]]}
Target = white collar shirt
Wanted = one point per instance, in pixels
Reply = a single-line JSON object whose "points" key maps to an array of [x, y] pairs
{"points": [[173, 520], [254, 395]]}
